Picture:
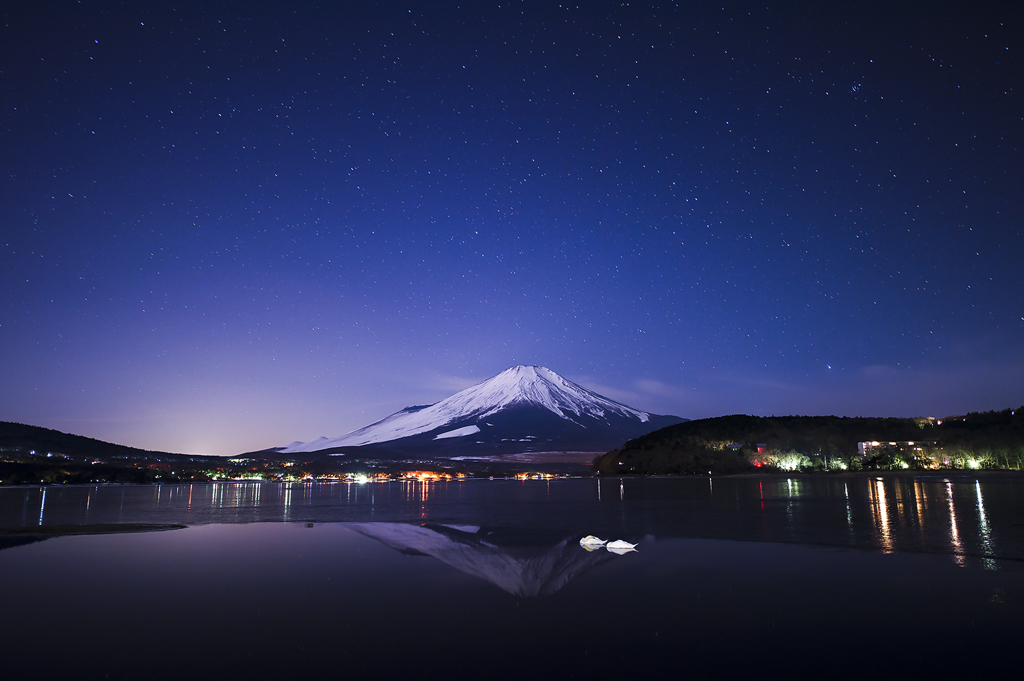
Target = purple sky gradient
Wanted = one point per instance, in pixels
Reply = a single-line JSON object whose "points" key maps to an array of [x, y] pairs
{"points": [[224, 228]]}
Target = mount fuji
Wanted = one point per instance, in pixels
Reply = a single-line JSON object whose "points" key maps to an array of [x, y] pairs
{"points": [[523, 409]]}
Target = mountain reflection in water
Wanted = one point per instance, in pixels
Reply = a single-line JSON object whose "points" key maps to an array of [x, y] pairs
{"points": [[849, 577], [519, 562]]}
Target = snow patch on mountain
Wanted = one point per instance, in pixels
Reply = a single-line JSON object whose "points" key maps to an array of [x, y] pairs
{"points": [[516, 386], [458, 432]]}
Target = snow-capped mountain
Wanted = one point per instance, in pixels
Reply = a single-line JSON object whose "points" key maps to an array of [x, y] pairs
{"points": [[524, 408]]}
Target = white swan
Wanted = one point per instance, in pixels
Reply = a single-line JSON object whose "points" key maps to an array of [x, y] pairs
{"points": [[620, 547], [591, 540]]}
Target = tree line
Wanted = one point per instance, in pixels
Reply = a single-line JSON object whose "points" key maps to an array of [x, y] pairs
{"points": [[741, 443]]}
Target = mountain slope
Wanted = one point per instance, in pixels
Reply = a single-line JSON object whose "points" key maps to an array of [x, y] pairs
{"points": [[22, 438], [522, 409]]}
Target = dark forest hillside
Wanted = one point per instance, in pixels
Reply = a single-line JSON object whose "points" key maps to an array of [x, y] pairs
{"points": [[738, 443], [21, 438]]}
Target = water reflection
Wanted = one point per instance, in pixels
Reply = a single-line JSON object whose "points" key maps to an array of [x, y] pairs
{"points": [[954, 535], [966, 518], [361, 597], [286, 492], [922, 502], [849, 509], [524, 563], [880, 513], [984, 531]]}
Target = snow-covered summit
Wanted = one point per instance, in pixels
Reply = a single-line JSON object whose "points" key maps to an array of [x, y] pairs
{"points": [[533, 385], [518, 386]]}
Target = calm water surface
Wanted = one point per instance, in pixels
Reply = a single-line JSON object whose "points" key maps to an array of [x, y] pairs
{"points": [[841, 577]]}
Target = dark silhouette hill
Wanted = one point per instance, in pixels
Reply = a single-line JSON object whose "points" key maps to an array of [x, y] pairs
{"points": [[730, 444], [19, 438]]}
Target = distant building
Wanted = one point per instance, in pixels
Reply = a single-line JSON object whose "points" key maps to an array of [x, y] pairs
{"points": [[761, 447], [914, 448]]}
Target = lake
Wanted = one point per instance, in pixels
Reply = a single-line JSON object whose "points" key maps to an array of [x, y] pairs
{"points": [[889, 576]]}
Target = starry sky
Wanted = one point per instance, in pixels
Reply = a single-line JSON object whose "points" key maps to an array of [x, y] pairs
{"points": [[225, 227]]}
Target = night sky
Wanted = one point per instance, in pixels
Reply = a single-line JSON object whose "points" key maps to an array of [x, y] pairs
{"points": [[225, 227]]}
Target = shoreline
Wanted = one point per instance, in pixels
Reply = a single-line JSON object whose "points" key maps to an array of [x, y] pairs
{"points": [[947, 473], [941, 473]]}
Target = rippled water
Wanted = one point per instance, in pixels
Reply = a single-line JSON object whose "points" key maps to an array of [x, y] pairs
{"points": [[779, 577]]}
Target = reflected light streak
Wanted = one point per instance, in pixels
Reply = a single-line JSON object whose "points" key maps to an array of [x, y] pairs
{"points": [[986, 532], [880, 509], [954, 536], [424, 496], [849, 509], [898, 506], [764, 518], [789, 501], [42, 506], [922, 503]]}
